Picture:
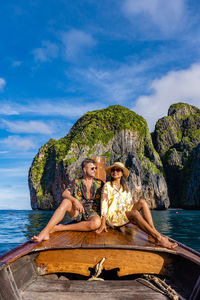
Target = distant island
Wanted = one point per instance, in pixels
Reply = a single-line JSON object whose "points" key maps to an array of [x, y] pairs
{"points": [[164, 166]]}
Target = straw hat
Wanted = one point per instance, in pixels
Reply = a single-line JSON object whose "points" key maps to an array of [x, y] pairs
{"points": [[120, 166]]}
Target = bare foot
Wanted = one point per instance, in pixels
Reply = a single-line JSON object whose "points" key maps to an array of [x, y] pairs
{"points": [[42, 236], [164, 241]]}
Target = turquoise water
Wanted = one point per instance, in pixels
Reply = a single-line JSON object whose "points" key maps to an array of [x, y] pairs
{"points": [[17, 226]]}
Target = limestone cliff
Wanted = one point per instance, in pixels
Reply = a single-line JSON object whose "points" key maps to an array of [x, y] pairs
{"points": [[116, 133], [177, 139]]}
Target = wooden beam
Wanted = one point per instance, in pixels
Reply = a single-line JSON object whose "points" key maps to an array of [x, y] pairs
{"points": [[101, 167], [79, 261]]}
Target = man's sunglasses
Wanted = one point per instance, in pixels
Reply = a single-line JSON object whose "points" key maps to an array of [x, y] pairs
{"points": [[94, 168], [117, 170]]}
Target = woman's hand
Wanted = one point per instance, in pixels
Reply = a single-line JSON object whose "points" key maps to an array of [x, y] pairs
{"points": [[103, 226]]}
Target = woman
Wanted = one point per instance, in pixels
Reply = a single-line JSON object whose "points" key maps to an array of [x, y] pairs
{"points": [[118, 209]]}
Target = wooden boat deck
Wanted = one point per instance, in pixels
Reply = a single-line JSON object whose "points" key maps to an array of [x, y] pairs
{"points": [[127, 237], [88, 290]]}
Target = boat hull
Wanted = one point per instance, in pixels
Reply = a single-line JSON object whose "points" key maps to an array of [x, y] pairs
{"points": [[34, 269]]}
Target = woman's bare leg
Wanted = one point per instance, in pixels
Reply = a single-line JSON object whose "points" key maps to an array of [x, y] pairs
{"points": [[142, 206], [65, 206], [145, 223], [92, 223]]}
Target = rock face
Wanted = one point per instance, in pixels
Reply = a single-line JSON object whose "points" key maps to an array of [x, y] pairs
{"points": [[176, 139], [116, 133]]}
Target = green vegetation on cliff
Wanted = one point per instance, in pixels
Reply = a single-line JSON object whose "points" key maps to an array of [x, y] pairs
{"points": [[93, 130], [100, 126], [175, 138], [179, 129]]}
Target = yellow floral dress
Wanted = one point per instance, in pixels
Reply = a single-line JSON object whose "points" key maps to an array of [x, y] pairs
{"points": [[114, 204]]}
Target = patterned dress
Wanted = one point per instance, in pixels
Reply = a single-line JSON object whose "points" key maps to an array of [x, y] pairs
{"points": [[114, 204], [78, 190]]}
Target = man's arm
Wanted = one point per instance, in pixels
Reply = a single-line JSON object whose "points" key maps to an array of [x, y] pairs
{"points": [[75, 203]]}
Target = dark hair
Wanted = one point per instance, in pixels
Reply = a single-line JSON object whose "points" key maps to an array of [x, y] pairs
{"points": [[87, 161], [122, 182]]}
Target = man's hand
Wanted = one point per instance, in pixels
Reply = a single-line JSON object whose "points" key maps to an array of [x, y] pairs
{"points": [[77, 206]]}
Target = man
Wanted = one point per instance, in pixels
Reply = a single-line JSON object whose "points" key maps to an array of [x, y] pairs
{"points": [[81, 201]]}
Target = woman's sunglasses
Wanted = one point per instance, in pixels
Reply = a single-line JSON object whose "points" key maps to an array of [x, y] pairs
{"points": [[117, 170], [94, 168]]}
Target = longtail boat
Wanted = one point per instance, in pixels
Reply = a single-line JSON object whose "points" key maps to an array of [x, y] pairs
{"points": [[132, 267], [118, 264]]}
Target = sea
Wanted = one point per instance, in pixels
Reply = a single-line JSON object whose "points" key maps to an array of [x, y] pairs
{"points": [[18, 226]]}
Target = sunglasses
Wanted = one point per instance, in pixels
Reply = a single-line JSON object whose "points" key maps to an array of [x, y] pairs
{"points": [[117, 170], [93, 168]]}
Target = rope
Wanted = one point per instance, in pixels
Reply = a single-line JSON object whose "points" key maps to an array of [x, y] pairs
{"points": [[162, 287], [98, 270], [150, 280]]}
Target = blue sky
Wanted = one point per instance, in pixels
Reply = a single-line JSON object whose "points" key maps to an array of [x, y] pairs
{"points": [[62, 58]]}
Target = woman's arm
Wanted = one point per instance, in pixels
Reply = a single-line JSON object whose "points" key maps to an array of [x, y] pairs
{"points": [[103, 226], [104, 209]]}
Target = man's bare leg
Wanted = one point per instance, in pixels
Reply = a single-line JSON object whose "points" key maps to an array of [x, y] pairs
{"points": [[65, 206], [146, 224], [92, 223]]}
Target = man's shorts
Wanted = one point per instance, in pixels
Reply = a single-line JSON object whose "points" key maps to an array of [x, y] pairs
{"points": [[88, 211], [85, 216]]}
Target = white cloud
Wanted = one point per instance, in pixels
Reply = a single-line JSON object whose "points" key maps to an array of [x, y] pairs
{"points": [[63, 109], [28, 127], [14, 172], [47, 52], [6, 109], [18, 143], [2, 84], [117, 85], [76, 43], [167, 16], [176, 86], [45, 107]]}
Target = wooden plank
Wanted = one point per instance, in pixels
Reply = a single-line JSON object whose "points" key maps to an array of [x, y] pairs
{"points": [[92, 239], [130, 295], [79, 289], [136, 236], [184, 252], [49, 285], [79, 261], [8, 288], [112, 237], [16, 253], [64, 239], [101, 167], [23, 271], [196, 290], [127, 237], [124, 238]]}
